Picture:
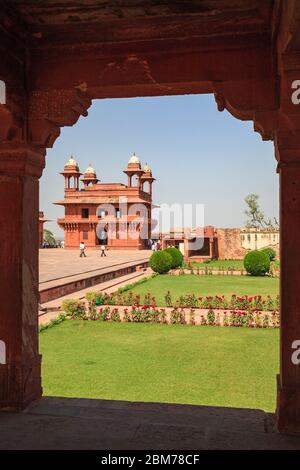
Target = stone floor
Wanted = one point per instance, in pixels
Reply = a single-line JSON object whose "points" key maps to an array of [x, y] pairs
{"points": [[56, 263], [74, 423]]}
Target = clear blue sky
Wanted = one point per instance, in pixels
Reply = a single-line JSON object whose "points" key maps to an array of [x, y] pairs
{"points": [[197, 155]]}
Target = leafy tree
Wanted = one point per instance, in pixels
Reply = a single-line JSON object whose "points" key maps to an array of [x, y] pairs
{"points": [[48, 237], [256, 217]]}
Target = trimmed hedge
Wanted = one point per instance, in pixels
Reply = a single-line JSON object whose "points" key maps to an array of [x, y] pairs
{"points": [[257, 263], [161, 262], [270, 252], [177, 256]]}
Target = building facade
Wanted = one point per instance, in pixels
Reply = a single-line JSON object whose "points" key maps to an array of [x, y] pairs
{"points": [[221, 243], [114, 214]]}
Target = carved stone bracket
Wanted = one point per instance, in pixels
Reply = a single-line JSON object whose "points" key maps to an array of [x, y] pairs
{"points": [[249, 100], [51, 110]]}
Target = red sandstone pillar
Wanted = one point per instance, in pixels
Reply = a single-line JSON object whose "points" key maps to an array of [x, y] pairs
{"points": [[20, 376], [288, 396]]}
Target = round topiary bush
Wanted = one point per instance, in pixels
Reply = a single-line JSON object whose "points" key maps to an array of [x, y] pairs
{"points": [[177, 256], [270, 252], [257, 263], [160, 262]]}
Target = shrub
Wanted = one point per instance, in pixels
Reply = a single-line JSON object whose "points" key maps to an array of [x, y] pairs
{"points": [[70, 306], [177, 256], [160, 262], [257, 263], [168, 299], [270, 252], [91, 296], [211, 317]]}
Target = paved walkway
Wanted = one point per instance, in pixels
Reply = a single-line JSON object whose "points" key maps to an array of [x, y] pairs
{"points": [[57, 263], [76, 423]]}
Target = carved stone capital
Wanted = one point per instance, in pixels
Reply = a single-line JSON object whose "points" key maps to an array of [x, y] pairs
{"points": [[51, 110], [21, 159], [10, 126]]}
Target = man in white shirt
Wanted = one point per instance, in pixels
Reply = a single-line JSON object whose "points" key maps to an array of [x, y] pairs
{"points": [[82, 248]]}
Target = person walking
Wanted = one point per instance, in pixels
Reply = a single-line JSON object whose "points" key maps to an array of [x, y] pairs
{"points": [[82, 250], [103, 248]]}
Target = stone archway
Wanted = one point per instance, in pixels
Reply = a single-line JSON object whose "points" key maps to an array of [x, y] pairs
{"points": [[246, 54]]}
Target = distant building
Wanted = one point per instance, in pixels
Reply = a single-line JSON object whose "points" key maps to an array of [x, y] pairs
{"points": [[221, 243], [113, 214]]}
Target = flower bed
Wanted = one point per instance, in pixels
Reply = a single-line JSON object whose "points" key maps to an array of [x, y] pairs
{"points": [[245, 302], [251, 318]]}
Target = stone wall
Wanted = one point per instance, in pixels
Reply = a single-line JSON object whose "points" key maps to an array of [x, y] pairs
{"points": [[229, 243], [231, 246]]}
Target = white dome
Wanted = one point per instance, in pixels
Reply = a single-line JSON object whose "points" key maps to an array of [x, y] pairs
{"points": [[134, 159], [147, 168], [90, 170], [72, 162]]}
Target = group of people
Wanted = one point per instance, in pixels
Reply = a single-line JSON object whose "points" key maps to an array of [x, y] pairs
{"points": [[103, 250], [155, 245]]}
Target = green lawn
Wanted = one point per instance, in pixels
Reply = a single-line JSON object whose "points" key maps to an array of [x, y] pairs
{"points": [[206, 285], [220, 263], [164, 363]]}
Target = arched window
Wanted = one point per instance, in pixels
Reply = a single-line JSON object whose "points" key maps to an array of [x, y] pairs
{"points": [[146, 186], [2, 92]]}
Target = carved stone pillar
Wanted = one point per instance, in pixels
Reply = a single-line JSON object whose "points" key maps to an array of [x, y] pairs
{"points": [[288, 396], [20, 375]]}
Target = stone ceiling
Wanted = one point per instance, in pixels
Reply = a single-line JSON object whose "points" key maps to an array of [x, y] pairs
{"points": [[113, 20]]}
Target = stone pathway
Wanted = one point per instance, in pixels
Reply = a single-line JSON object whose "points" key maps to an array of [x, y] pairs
{"points": [[57, 263]]}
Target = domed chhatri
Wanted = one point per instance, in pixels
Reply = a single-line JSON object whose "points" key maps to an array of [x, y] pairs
{"points": [[147, 169], [134, 159], [90, 171], [89, 176], [71, 164]]}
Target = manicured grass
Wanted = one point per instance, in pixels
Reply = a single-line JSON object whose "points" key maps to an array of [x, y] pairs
{"points": [[206, 285], [163, 363], [220, 263]]}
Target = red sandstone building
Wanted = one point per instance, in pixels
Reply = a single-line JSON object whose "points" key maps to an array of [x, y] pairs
{"points": [[220, 243], [113, 214]]}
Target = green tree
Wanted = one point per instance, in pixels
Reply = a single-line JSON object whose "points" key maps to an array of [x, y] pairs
{"points": [[256, 217], [48, 237]]}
